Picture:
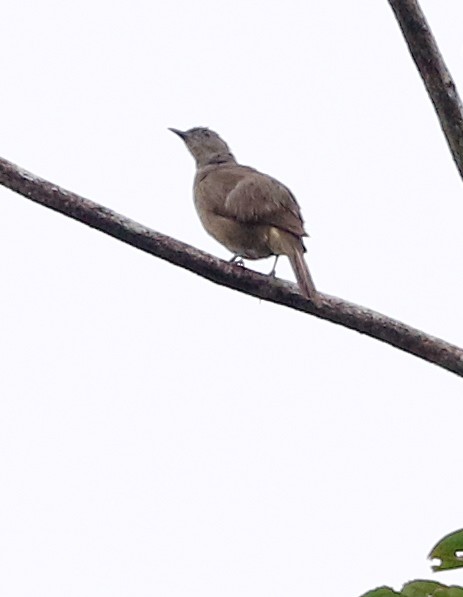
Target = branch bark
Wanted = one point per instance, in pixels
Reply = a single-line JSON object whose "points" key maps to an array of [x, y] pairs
{"points": [[434, 72], [332, 309]]}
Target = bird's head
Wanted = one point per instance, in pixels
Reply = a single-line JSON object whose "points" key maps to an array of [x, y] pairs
{"points": [[205, 146]]}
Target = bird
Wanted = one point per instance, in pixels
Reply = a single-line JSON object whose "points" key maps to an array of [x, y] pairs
{"points": [[250, 213]]}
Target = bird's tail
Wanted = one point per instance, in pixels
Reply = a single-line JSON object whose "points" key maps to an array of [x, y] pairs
{"points": [[302, 273], [283, 242]]}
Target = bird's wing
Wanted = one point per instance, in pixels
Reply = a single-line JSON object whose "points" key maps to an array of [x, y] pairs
{"points": [[260, 199]]}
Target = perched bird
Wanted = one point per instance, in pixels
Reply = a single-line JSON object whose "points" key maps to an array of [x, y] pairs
{"points": [[250, 213]]}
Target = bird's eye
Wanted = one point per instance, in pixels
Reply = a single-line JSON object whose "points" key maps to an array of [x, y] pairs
{"points": [[207, 134]]}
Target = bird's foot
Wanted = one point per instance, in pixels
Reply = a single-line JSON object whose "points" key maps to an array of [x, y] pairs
{"points": [[236, 259], [272, 273]]}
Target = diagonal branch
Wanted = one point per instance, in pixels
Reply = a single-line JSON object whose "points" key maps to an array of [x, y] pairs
{"points": [[435, 74], [332, 309]]}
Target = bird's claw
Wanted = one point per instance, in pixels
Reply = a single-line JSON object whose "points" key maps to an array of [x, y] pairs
{"points": [[236, 259]]}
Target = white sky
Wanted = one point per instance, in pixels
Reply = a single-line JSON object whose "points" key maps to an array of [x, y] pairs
{"points": [[160, 435]]}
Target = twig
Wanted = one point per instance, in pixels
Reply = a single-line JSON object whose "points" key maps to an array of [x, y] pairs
{"points": [[435, 74], [332, 309]]}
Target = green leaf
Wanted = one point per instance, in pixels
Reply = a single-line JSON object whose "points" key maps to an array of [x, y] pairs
{"points": [[453, 591], [449, 551], [422, 588]]}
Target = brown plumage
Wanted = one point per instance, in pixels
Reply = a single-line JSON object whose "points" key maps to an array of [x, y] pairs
{"points": [[250, 213]]}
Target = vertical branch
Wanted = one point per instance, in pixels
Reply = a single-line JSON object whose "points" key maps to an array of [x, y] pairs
{"points": [[434, 72]]}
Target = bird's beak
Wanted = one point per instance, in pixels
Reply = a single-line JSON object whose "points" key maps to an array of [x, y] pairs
{"points": [[181, 134]]}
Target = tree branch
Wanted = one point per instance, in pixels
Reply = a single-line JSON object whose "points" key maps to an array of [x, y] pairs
{"points": [[435, 74], [332, 309]]}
